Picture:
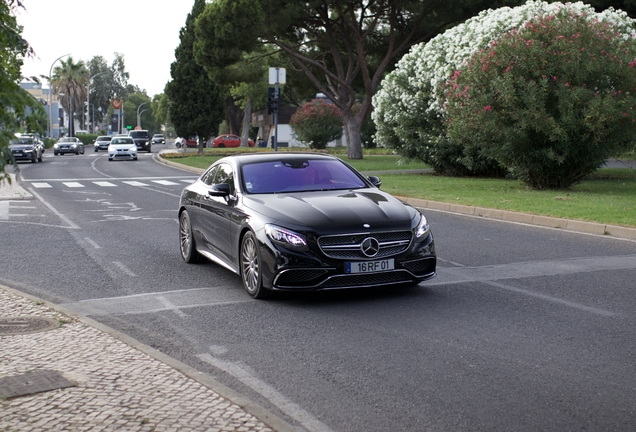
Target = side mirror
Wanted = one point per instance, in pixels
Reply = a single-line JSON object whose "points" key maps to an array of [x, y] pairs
{"points": [[375, 181], [220, 189]]}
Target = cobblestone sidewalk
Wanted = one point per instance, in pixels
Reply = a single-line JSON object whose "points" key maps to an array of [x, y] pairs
{"points": [[116, 386]]}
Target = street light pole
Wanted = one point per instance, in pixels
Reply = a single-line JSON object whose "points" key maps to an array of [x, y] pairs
{"points": [[88, 96], [139, 115], [50, 94]]}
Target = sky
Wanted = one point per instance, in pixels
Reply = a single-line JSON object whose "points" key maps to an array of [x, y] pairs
{"points": [[146, 32]]}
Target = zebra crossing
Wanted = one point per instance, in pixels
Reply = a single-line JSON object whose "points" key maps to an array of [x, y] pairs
{"points": [[71, 184]]}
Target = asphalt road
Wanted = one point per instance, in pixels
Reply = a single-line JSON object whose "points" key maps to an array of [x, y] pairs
{"points": [[523, 329]]}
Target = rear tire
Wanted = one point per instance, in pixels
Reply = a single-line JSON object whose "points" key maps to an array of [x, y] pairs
{"points": [[251, 267], [186, 240]]}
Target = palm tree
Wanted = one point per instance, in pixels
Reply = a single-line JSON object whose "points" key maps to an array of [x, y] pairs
{"points": [[71, 79]]}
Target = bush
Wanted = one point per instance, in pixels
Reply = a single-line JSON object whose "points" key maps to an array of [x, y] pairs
{"points": [[316, 123], [551, 101], [409, 109]]}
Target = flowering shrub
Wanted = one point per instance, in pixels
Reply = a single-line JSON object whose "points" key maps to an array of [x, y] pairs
{"points": [[551, 100], [409, 109], [316, 123]]}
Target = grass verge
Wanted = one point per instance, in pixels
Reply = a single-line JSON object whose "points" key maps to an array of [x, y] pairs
{"points": [[607, 196]]}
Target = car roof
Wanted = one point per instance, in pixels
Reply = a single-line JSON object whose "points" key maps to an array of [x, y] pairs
{"points": [[247, 158]]}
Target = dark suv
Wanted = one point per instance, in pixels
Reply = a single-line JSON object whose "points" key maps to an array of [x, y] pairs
{"points": [[141, 139]]}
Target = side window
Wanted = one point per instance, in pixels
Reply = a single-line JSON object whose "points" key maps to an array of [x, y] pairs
{"points": [[208, 177], [224, 174]]}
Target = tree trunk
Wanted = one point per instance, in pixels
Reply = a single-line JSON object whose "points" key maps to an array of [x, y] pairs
{"points": [[234, 115], [245, 131], [353, 132]]}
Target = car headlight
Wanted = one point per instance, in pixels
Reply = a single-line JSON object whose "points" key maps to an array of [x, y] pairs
{"points": [[286, 238], [56, 145], [422, 228], [73, 145]]}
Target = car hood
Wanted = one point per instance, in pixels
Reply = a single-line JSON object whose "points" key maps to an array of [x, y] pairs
{"points": [[123, 146], [334, 211]]}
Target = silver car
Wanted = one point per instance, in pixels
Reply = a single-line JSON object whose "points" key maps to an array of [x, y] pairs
{"points": [[122, 148], [102, 142], [68, 145]]}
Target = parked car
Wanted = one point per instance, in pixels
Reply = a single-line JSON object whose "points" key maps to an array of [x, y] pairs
{"points": [[142, 139], [26, 149], [158, 139], [293, 222], [122, 148], [102, 142], [68, 145], [229, 140]]}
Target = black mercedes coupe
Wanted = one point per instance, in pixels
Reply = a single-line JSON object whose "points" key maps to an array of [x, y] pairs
{"points": [[302, 221]]}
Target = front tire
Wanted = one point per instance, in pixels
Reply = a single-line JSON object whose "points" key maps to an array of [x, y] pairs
{"points": [[186, 240], [251, 267]]}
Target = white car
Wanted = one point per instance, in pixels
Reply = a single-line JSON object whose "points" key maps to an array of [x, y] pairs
{"points": [[122, 148]]}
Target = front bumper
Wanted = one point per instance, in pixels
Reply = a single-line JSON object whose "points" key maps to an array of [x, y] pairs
{"points": [[66, 149], [122, 155], [306, 271], [23, 155]]}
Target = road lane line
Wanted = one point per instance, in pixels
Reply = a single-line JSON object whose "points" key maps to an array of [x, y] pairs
{"points": [[92, 243], [243, 374], [170, 306], [123, 268], [568, 303], [70, 223]]}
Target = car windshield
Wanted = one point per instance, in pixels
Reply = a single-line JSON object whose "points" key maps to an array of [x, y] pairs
{"points": [[138, 134], [299, 175], [22, 141], [66, 140], [122, 141], [104, 138]]}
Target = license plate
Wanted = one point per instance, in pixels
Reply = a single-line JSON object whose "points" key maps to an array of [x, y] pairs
{"points": [[369, 266]]}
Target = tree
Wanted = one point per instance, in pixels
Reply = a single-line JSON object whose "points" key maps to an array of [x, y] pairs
{"points": [[14, 100], [71, 79], [316, 123], [196, 102], [341, 45]]}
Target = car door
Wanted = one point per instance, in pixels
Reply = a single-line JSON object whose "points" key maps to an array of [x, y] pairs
{"points": [[215, 217]]}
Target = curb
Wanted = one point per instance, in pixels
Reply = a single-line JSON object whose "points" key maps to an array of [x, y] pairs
{"points": [[621, 232], [13, 191]]}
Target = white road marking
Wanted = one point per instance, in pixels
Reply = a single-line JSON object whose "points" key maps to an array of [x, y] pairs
{"points": [[73, 184], [105, 184], [4, 210], [249, 378], [168, 304], [165, 182], [125, 269], [70, 223], [92, 243], [135, 183], [41, 185]]}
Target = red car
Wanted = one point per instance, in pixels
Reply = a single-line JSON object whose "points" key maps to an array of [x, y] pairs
{"points": [[229, 140]]}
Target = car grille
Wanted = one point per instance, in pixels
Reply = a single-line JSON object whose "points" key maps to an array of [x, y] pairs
{"points": [[349, 246]]}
